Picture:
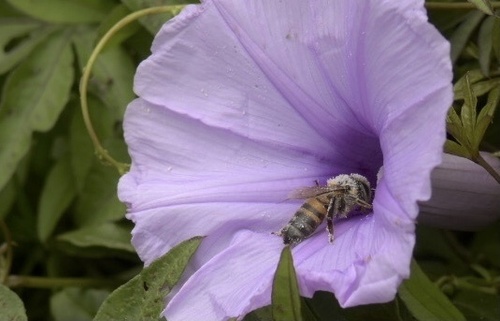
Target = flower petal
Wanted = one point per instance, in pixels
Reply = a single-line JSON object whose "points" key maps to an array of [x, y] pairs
{"points": [[464, 195], [233, 283], [364, 265], [237, 180], [167, 148], [412, 145], [269, 72]]}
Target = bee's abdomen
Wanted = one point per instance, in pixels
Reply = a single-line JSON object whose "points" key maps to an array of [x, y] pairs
{"points": [[305, 221]]}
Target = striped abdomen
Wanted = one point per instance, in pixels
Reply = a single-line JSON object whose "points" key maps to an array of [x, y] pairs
{"points": [[305, 221]]}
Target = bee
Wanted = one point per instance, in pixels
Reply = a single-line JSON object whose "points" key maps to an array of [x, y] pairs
{"points": [[340, 197]]}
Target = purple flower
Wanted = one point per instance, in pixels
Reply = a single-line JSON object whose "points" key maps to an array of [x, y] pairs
{"points": [[243, 102]]}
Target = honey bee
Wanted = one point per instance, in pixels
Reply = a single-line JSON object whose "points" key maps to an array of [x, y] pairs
{"points": [[341, 195]]}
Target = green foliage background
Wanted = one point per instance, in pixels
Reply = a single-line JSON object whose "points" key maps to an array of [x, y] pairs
{"points": [[66, 244]]}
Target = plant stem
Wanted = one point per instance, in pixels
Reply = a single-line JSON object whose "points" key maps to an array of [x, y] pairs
{"points": [[456, 5], [481, 161], [14, 281], [100, 150]]}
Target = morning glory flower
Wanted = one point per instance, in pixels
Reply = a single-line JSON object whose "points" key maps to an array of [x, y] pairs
{"points": [[243, 102]]}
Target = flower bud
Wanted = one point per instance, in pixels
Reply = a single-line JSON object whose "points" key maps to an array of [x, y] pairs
{"points": [[464, 195]]}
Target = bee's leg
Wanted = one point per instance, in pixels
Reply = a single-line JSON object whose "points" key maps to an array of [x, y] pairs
{"points": [[364, 206], [330, 213], [329, 228]]}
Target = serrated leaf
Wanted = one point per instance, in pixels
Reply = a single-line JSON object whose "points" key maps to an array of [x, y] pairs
{"points": [[73, 304], [142, 298], [486, 115], [63, 11], [18, 37], [424, 300], [475, 75], [485, 45], [479, 88], [118, 12], [108, 235], [11, 304], [285, 294], [461, 35], [33, 97], [454, 126], [112, 74], [154, 22], [450, 147], [483, 5], [57, 193], [469, 107]]}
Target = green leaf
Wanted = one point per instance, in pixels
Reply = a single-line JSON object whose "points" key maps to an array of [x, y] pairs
{"points": [[461, 35], [454, 125], [63, 11], [483, 5], [98, 201], [479, 88], [57, 193], [154, 22], [33, 97], [80, 145], [485, 44], [18, 37], [142, 298], [424, 300], [108, 235], [118, 12], [11, 304], [486, 114], [285, 293], [475, 75], [468, 111], [76, 304]]}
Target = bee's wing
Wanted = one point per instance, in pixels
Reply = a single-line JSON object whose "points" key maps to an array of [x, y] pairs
{"points": [[313, 191]]}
